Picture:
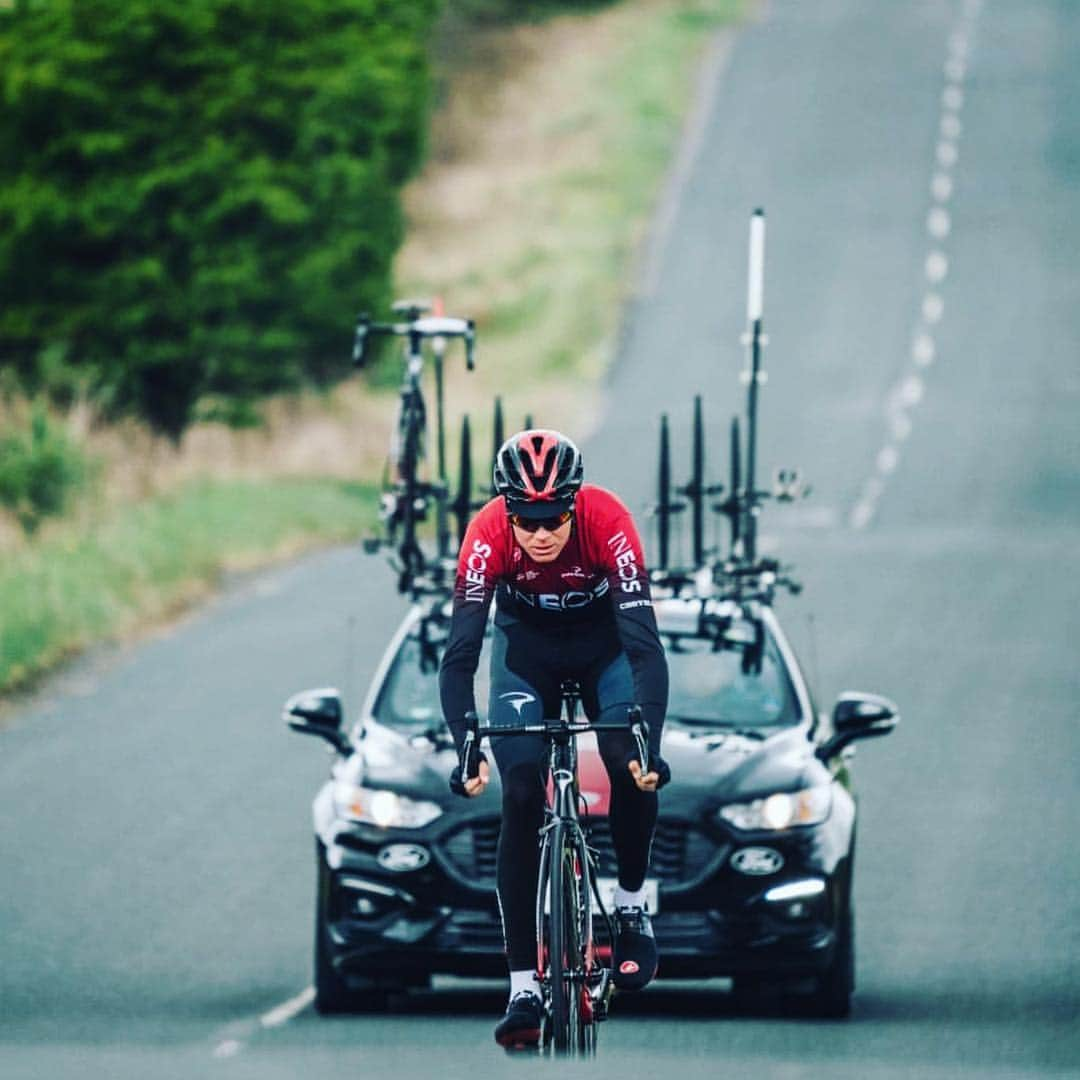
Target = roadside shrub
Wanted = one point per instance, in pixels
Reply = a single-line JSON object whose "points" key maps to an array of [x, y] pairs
{"points": [[41, 471], [197, 196]]}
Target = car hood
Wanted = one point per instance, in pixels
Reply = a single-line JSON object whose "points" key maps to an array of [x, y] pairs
{"points": [[710, 767]]}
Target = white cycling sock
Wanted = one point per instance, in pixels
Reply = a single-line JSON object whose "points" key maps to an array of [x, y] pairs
{"points": [[523, 980], [629, 898]]}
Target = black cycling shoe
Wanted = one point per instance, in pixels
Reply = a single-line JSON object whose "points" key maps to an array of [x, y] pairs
{"points": [[520, 1028], [634, 959]]}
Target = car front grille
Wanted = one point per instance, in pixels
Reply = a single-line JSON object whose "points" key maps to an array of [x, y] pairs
{"points": [[681, 853]]}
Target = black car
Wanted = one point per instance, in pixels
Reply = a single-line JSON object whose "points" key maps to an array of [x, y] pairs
{"points": [[751, 873]]}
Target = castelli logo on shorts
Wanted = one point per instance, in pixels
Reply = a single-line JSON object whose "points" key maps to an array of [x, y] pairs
{"points": [[629, 967]]}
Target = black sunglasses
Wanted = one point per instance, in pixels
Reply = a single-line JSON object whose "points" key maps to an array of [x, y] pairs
{"points": [[531, 525]]}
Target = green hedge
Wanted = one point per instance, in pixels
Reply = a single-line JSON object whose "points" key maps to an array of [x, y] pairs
{"points": [[196, 196]]}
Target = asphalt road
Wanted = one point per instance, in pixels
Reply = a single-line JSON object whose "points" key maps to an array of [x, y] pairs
{"points": [[920, 167]]}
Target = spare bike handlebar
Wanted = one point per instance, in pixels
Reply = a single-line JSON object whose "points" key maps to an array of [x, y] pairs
{"points": [[418, 329]]}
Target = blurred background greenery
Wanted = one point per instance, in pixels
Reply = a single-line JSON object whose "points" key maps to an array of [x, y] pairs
{"points": [[196, 198]]}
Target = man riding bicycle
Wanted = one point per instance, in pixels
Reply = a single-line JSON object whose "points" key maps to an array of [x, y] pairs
{"points": [[564, 563]]}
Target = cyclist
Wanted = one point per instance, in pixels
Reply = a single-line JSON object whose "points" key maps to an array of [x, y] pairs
{"points": [[564, 563]]}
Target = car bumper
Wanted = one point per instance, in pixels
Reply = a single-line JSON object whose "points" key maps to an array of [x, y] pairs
{"points": [[401, 936]]}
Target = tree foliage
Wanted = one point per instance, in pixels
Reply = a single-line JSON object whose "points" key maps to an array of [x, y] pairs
{"points": [[197, 195]]}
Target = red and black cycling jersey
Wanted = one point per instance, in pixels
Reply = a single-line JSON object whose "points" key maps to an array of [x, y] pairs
{"points": [[599, 579]]}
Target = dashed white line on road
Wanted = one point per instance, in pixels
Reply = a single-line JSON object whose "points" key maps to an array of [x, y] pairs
{"points": [[887, 460], [947, 154], [909, 391], [952, 97], [938, 223], [941, 187], [937, 267], [912, 390], [228, 1048], [923, 350], [284, 1012], [951, 126]]}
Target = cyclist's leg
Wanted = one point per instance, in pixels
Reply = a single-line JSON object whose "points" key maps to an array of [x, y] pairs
{"points": [[632, 818], [608, 692], [519, 695]]}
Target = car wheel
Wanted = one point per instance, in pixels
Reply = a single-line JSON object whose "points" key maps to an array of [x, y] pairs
{"points": [[332, 993], [832, 994]]}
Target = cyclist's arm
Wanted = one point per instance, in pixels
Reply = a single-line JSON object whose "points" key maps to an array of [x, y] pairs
{"points": [[474, 586], [623, 562]]}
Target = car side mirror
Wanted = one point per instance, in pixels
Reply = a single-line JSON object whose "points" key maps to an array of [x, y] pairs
{"points": [[318, 712], [858, 716]]}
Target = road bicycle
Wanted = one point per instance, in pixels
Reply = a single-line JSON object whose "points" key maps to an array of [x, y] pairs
{"points": [[575, 973], [407, 499]]}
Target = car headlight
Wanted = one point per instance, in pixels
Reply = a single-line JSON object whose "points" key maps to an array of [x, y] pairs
{"points": [[386, 809], [784, 810]]}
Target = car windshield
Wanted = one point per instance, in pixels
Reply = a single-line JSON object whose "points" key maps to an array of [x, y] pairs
{"points": [[707, 687], [409, 697], [710, 687]]}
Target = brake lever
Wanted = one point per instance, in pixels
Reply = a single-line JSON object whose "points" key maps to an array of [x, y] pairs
{"points": [[640, 730], [360, 340], [470, 751]]}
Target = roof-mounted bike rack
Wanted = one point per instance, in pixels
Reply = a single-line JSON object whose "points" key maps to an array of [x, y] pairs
{"points": [[740, 577]]}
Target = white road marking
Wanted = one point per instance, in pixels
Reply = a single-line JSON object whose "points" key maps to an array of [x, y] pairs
{"points": [[937, 267], [938, 223], [923, 350], [284, 1012], [941, 187], [951, 126], [952, 97], [229, 1048], [933, 307], [912, 390], [862, 515], [947, 154], [887, 460]]}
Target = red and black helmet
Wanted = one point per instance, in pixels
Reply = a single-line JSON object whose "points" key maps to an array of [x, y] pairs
{"points": [[538, 472]]}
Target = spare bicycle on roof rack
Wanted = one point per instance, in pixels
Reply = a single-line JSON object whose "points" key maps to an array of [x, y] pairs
{"points": [[407, 499]]}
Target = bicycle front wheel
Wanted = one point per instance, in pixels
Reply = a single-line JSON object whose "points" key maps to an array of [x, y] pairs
{"points": [[566, 954]]}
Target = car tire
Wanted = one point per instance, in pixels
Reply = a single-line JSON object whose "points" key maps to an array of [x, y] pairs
{"points": [[832, 994], [333, 994]]}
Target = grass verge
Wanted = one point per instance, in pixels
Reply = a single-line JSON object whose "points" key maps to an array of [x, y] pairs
{"points": [[151, 560]]}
